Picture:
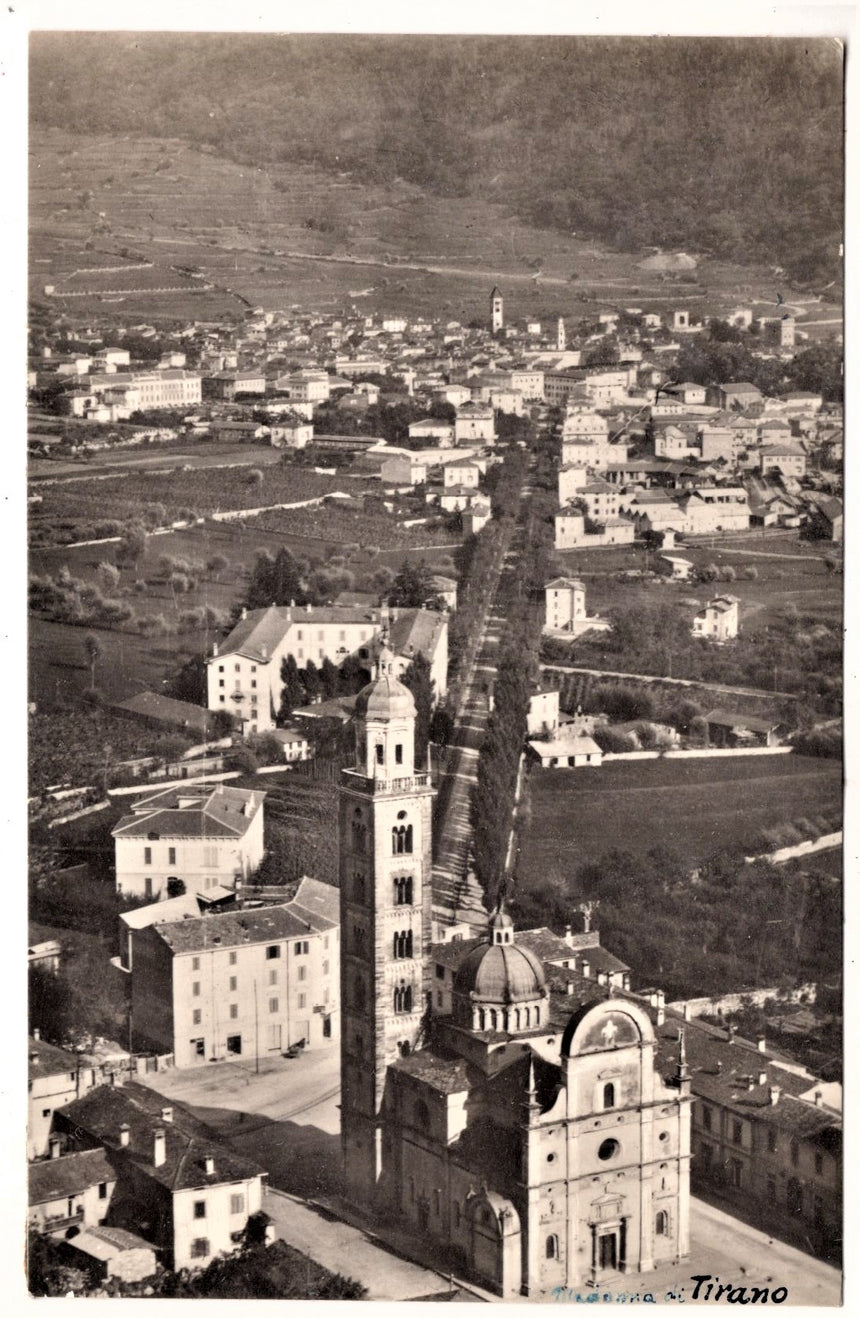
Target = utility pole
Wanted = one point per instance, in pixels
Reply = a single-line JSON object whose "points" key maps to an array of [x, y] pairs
{"points": [[256, 1032]]}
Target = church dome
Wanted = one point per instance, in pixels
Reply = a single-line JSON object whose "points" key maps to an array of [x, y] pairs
{"points": [[500, 973], [385, 697]]}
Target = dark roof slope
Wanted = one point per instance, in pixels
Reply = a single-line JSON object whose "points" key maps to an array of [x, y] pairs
{"points": [[188, 1142], [72, 1174]]}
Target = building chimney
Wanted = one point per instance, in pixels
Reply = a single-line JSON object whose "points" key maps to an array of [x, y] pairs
{"points": [[54, 1146], [661, 1006], [819, 1098], [762, 1044], [775, 1092], [167, 1114], [568, 935], [292, 604], [688, 1012], [731, 1031], [215, 650], [586, 968], [209, 1165], [124, 1134], [762, 1077], [264, 651], [159, 1146], [244, 613], [37, 1034], [308, 608]]}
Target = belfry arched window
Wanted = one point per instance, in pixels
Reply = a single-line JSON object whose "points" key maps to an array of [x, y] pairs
{"points": [[661, 1224], [401, 840], [609, 1096], [403, 944], [552, 1247], [359, 832], [403, 890], [403, 998]]}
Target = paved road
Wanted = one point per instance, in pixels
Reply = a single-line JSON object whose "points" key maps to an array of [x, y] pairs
{"points": [[347, 1249], [456, 892]]}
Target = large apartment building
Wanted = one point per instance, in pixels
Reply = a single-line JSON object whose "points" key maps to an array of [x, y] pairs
{"points": [[244, 673], [249, 981]]}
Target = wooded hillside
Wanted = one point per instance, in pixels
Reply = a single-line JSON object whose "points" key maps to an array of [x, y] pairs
{"points": [[725, 147]]}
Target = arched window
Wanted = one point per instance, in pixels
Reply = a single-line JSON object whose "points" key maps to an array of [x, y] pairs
{"points": [[358, 891], [380, 753], [517, 1018], [552, 1247], [403, 998], [403, 944], [609, 1096], [403, 890], [482, 1019], [661, 1224], [492, 1018], [404, 1047], [537, 1015], [359, 837], [528, 1016]]}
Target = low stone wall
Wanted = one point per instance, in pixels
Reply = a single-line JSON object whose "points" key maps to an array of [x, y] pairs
{"points": [[706, 753], [827, 842], [727, 1003]]}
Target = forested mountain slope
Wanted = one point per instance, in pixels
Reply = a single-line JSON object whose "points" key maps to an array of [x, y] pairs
{"points": [[726, 147]]}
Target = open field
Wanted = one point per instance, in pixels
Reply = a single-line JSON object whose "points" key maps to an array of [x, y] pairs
{"points": [[80, 509], [293, 234], [692, 807]]}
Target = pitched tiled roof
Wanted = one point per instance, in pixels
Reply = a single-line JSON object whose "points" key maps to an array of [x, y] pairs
{"points": [[234, 928], [72, 1174], [45, 1059], [199, 810], [446, 1074], [319, 900], [188, 1141]]}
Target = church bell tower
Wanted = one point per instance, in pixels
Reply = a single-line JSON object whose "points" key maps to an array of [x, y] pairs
{"points": [[497, 311], [385, 827]]}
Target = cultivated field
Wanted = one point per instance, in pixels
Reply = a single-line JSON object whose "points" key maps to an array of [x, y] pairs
{"points": [[294, 235], [692, 807]]}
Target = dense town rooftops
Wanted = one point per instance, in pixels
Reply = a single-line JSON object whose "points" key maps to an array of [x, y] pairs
{"points": [[190, 1147], [235, 928]]}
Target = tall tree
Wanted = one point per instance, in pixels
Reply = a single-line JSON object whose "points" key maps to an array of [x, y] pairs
{"points": [[417, 678], [93, 650]]}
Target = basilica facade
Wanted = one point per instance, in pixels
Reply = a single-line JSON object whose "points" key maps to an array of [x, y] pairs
{"points": [[529, 1129]]}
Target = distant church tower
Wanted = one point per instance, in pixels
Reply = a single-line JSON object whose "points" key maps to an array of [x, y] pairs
{"points": [[497, 311], [385, 911], [561, 337]]}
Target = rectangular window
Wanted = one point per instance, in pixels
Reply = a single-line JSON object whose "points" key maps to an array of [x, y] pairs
{"points": [[237, 1204], [103, 1190], [303, 972], [253, 700], [196, 1016], [273, 977], [737, 1132], [325, 942], [195, 989], [303, 1001], [819, 1163], [398, 754], [299, 634], [234, 1011], [220, 668], [771, 1140], [221, 698], [199, 1249], [221, 681], [232, 958], [440, 974], [438, 999], [253, 683], [199, 1208], [233, 983], [325, 967], [171, 855], [147, 855], [273, 1005], [301, 949], [195, 963], [273, 952], [238, 668], [253, 668]]}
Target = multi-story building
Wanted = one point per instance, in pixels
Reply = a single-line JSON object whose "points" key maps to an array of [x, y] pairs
{"points": [[177, 1187], [718, 620], [55, 1077], [305, 386], [571, 533], [203, 836], [709, 508], [71, 1192], [788, 459], [601, 500], [765, 1136], [571, 479], [248, 981], [474, 423], [584, 423], [530, 1129], [244, 672], [565, 603]]}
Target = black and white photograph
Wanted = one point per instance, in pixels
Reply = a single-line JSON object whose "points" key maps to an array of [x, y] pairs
{"points": [[435, 651]]}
